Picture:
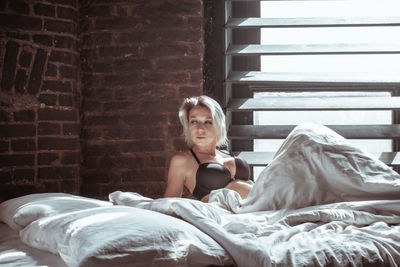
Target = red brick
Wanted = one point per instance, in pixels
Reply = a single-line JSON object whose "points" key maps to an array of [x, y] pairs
{"points": [[5, 115], [119, 51], [186, 91], [68, 186], [164, 22], [45, 128], [5, 177], [139, 132], [54, 143], [17, 130], [64, 42], [143, 145], [10, 60], [90, 134], [46, 40], [162, 77], [17, 160], [71, 3], [138, 37], [101, 67], [59, 26], [65, 100], [67, 72], [93, 39], [17, 35], [23, 145], [160, 106], [132, 65], [71, 129], [101, 149], [187, 63], [183, 35], [51, 70], [44, 10], [47, 158], [71, 158], [51, 186], [57, 86], [97, 11], [37, 71], [180, 8], [48, 99], [16, 21], [117, 23], [57, 115], [20, 81], [24, 115], [57, 172], [25, 57], [101, 120], [24, 175], [4, 146], [145, 119], [63, 57], [166, 50], [95, 177], [19, 6], [66, 13], [122, 80]]}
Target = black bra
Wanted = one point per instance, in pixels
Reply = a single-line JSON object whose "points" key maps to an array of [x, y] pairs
{"points": [[213, 175]]}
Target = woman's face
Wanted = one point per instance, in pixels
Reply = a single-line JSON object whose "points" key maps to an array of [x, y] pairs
{"points": [[201, 128]]}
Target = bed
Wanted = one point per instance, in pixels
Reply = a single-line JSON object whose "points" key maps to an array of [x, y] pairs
{"points": [[320, 202]]}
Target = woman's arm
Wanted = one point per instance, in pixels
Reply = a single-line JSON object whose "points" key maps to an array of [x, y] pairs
{"points": [[176, 177]]}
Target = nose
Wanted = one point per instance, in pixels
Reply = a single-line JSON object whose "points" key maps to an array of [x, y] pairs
{"points": [[200, 126]]}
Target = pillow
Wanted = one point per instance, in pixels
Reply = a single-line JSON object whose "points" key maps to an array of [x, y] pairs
{"points": [[123, 236], [21, 211]]}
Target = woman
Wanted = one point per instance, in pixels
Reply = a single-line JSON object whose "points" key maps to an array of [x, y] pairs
{"points": [[203, 167]]}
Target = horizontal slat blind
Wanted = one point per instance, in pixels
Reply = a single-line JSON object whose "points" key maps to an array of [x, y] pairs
{"points": [[311, 49], [312, 22], [258, 77], [260, 158], [316, 103], [281, 131], [240, 83]]}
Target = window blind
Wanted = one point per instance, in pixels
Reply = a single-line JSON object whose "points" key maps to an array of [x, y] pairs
{"points": [[301, 56]]}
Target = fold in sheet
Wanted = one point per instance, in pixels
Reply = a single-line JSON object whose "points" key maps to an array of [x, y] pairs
{"points": [[320, 202]]}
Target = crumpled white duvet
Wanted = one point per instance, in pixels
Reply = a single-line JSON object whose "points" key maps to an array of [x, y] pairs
{"points": [[320, 202]]}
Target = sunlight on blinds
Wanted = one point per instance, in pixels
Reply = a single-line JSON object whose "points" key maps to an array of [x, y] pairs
{"points": [[378, 63]]}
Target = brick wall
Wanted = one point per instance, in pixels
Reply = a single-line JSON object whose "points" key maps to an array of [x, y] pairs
{"points": [[90, 91], [138, 60], [39, 120]]}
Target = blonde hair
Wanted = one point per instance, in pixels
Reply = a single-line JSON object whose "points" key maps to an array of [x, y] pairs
{"points": [[217, 114]]}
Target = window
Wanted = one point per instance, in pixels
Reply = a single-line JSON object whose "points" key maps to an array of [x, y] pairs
{"points": [[330, 62]]}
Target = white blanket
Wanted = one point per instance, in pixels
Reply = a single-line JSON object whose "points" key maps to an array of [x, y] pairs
{"points": [[320, 202]]}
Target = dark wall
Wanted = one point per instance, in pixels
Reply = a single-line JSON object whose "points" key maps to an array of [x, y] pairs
{"points": [[90, 91], [139, 59], [39, 120]]}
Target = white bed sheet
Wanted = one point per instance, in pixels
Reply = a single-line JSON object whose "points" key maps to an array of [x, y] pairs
{"points": [[321, 202], [15, 253]]}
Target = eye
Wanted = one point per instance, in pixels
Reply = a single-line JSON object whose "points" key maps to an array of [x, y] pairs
{"points": [[208, 123], [193, 122]]}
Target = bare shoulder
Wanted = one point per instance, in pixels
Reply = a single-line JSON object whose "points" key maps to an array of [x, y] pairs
{"points": [[181, 159]]}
